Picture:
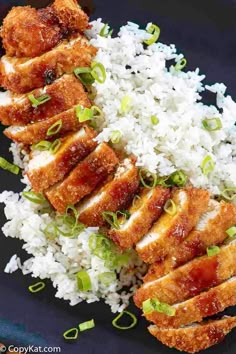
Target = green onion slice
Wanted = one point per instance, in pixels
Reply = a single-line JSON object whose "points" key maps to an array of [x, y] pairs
{"points": [[84, 281], [43, 145], [154, 120], [97, 112], [51, 231], [10, 167], [116, 135], [84, 75], [151, 305], [148, 306], [107, 278], [98, 72], [105, 31], [148, 179], [155, 31], [71, 334], [83, 114], [111, 219], [181, 64], [229, 193], [136, 201], [207, 165], [33, 197], [131, 315], [212, 124], [178, 178], [55, 146], [35, 102], [213, 250], [231, 232], [170, 207], [55, 128], [36, 288], [86, 325], [125, 105]]}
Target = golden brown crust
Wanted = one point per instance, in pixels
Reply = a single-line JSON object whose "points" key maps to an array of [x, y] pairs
{"points": [[83, 179], [74, 148], [172, 230], [150, 206], [64, 92], [195, 338]]}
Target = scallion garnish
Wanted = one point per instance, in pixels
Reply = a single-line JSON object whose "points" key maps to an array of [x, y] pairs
{"points": [[151, 305], [51, 231], [107, 278], [231, 232], [229, 193], [71, 334], [98, 72], [86, 325], [155, 31], [116, 135], [55, 146], [148, 306], [35, 288], [83, 281], [136, 200], [148, 179], [178, 178], [212, 124], [207, 165], [55, 128], [84, 75], [35, 102], [170, 207], [125, 105], [10, 167], [181, 64], [105, 32], [154, 120], [111, 219], [213, 250], [43, 145], [69, 222], [33, 197], [97, 112], [131, 315], [83, 114]]}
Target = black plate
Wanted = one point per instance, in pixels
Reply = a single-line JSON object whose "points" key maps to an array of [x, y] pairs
{"points": [[205, 31]]}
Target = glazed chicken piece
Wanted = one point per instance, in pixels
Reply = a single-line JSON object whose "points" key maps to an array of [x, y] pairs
{"points": [[192, 339], [210, 230], [206, 304], [27, 32], [45, 169], [143, 212], [190, 279], [112, 196], [83, 179], [64, 92], [170, 230], [22, 75]]}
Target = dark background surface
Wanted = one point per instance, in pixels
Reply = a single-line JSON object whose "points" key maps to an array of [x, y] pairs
{"points": [[205, 32]]}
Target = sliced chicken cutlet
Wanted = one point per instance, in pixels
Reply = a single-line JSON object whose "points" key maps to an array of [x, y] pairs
{"points": [[33, 133], [113, 196], [143, 212], [45, 169], [206, 304], [64, 93], [22, 75], [190, 279], [210, 230], [170, 230], [84, 178], [197, 337]]}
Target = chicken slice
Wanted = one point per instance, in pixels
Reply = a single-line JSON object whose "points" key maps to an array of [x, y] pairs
{"points": [[64, 92], [210, 230], [84, 178], [206, 304], [191, 279], [113, 196], [197, 337], [170, 230], [23, 75], [46, 169], [143, 213]]}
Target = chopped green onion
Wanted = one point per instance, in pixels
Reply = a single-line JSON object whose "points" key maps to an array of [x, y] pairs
{"points": [[229, 193], [55, 146], [125, 105], [207, 165], [164, 181], [231, 232], [154, 120], [71, 334], [51, 231], [98, 72], [105, 31], [84, 75], [35, 288], [136, 200], [55, 128], [181, 64], [43, 145], [116, 136], [83, 114], [35, 102], [86, 325], [33, 197], [212, 250], [107, 278], [151, 305], [131, 315], [178, 178], [212, 124], [155, 31], [148, 306], [84, 281], [145, 175], [95, 110], [111, 219], [5, 165], [70, 222], [170, 207]]}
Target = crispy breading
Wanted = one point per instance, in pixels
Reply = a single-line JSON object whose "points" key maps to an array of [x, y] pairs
{"points": [[197, 337], [206, 304], [46, 169], [143, 213], [64, 92], [22, 75], [84, 178], [170, 230], [190, 279], [211, 230], [113, 196]]}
